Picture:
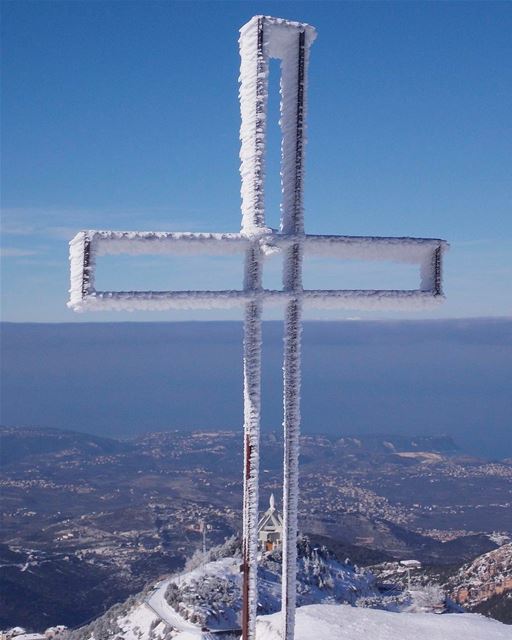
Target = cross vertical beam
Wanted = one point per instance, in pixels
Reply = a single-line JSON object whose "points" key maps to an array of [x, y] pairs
{"points": [[260, 39], [293, 224], [253, 102]]}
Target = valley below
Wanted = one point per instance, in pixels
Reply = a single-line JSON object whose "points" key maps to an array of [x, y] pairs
{"points": [[89, 521]]}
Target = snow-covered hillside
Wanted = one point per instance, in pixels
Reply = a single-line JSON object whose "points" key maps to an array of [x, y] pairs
{"points": [[321, 622], [342, 622], [206, 598], [210, 595]]}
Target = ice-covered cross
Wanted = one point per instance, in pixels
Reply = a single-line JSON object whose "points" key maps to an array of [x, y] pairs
{"points": [[263, 38]]}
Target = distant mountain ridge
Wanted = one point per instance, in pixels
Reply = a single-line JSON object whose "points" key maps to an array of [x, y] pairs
{"points": [[18, 443], [389, 443]]}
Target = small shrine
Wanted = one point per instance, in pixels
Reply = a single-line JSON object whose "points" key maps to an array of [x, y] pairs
{"points": [[270, 528]]}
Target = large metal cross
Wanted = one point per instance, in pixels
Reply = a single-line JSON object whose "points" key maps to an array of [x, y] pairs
{"points": [[263, 38]]}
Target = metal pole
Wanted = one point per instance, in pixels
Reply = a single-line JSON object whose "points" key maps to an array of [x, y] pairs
{"points": [[438, 254]]}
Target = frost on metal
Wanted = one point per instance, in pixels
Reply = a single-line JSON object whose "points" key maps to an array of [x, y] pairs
{"points": [[87, 246], [263, 38]]}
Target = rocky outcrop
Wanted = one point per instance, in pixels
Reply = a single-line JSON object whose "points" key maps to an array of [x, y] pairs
{"points": [[488, 576]]}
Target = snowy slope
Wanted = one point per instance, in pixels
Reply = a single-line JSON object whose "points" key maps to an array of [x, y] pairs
{"points": [[208, 596], [329, 622], [342, 622]]}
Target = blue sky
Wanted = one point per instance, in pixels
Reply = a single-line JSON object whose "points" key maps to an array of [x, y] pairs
{"points": [[125, 115]]}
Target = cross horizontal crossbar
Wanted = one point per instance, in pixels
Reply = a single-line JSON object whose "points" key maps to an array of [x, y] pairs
{"points": [[88, 245]]}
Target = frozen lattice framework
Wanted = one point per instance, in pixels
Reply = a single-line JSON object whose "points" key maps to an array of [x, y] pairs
{"points": [[263, 38]]}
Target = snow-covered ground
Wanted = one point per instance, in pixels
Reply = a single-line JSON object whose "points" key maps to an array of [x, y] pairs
{"points": [[339, 622], [180, 607], [157, 603], [210, 595], [343, 622], [226, 568]]}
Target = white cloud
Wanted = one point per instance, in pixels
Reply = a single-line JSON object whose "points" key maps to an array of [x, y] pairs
{"points": [[62, 223], [13, 252]]}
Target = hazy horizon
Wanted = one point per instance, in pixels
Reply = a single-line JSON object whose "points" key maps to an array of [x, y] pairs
{"points": [[425, 377]]}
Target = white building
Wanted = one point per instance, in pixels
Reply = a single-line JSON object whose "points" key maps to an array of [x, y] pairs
{"points": [[270, 528]]}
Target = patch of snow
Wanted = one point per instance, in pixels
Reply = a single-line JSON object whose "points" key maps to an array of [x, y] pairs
{"points": [[134, 622], [342, 622]]}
